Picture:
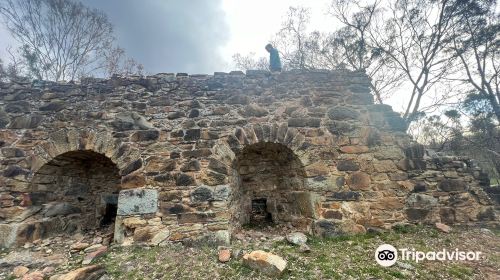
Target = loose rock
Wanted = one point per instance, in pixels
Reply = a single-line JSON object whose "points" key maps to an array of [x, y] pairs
{"points": [[224, 255], [297, 238], [443, 227], [267, 263]]}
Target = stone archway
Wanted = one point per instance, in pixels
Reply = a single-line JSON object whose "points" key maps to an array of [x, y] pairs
{"points": [[269, 186], [264, 165], [79, 189], [73, 184]]}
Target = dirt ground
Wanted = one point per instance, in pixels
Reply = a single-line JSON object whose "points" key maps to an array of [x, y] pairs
{"points": [[343, 257]]}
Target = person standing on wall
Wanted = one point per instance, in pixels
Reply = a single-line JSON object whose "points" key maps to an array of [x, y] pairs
{"points": [[274, 58]]}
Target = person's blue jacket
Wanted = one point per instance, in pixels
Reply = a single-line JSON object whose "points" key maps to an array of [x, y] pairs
{"points": [[274, 60]]}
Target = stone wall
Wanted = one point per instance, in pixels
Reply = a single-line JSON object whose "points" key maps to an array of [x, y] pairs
{"points": [[181, 158]]}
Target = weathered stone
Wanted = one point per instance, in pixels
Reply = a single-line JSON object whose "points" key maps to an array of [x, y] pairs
{"points": [[145, 234], [78, 246], [306, 203], [183, 179], [20, 271], [342, 113], [359, 181], [416, 214], [421, 200], [55, 106], [292, 148], [267, 263], [145, 135], [332, 214], [195, 217], [35, 275], [159, 164], [176, 208], [26, 122], [354, 149], [304, 122], [194, 113], [213, 178], [137, 201], [18, 107], [296, 238], [62, 208], [326, 228], [131, 167], [4, 118], [238, 99], [192, 165], [385, 166], [218, 166], [345, 196], [93, 272], [161, 236], [388, 203], [130, 120], [347, 165], [134, 222], [253, 110], [442, 227], [202, 194], [224, 255], [452, 185], [12, 152], [175, 115], [192, 134], [14, 170]]}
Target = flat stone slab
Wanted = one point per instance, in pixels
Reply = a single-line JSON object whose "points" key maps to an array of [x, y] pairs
{"points": [[137, 201]]}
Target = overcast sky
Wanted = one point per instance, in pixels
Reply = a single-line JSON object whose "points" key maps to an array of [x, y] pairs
{"points": [[195, 36]]}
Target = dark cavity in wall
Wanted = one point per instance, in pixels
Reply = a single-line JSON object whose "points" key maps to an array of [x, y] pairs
{"points": [[259, 215], [78, 191], [268, 176]]}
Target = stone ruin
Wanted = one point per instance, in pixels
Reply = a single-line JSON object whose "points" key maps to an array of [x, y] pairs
{"points": [[192, 158]]}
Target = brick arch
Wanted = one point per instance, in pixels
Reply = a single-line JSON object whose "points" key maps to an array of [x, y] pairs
{"points": [[266, 133], [226, 152], [70, 140]]}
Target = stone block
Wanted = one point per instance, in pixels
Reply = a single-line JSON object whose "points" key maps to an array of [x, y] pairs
{"points": [[345, 196], [306, 203], [347, 165], [342, 113], [421, 200], [453, 185], [137, 201], [304, 122], [354, 149], [267, 263], [359, 181]]}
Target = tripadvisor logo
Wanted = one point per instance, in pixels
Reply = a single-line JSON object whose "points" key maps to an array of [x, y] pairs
{"points": [[387, 255]]}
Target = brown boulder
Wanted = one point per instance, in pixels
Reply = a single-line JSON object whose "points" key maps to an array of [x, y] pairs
{"points": [[92, 272], [267, 263]]}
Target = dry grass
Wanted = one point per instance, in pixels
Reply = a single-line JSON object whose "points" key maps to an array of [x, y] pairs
{"points": [[349, 257]]}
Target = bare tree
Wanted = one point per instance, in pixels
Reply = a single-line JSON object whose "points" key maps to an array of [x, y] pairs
{"points": [[292, 39], [477, 45], [117, 62], [356, 49], [414, 34], [249, 62], [60, 39]]}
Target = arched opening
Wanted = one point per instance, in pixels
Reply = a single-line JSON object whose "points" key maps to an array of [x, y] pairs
{"points": [[79, 190], [269, 186]]}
